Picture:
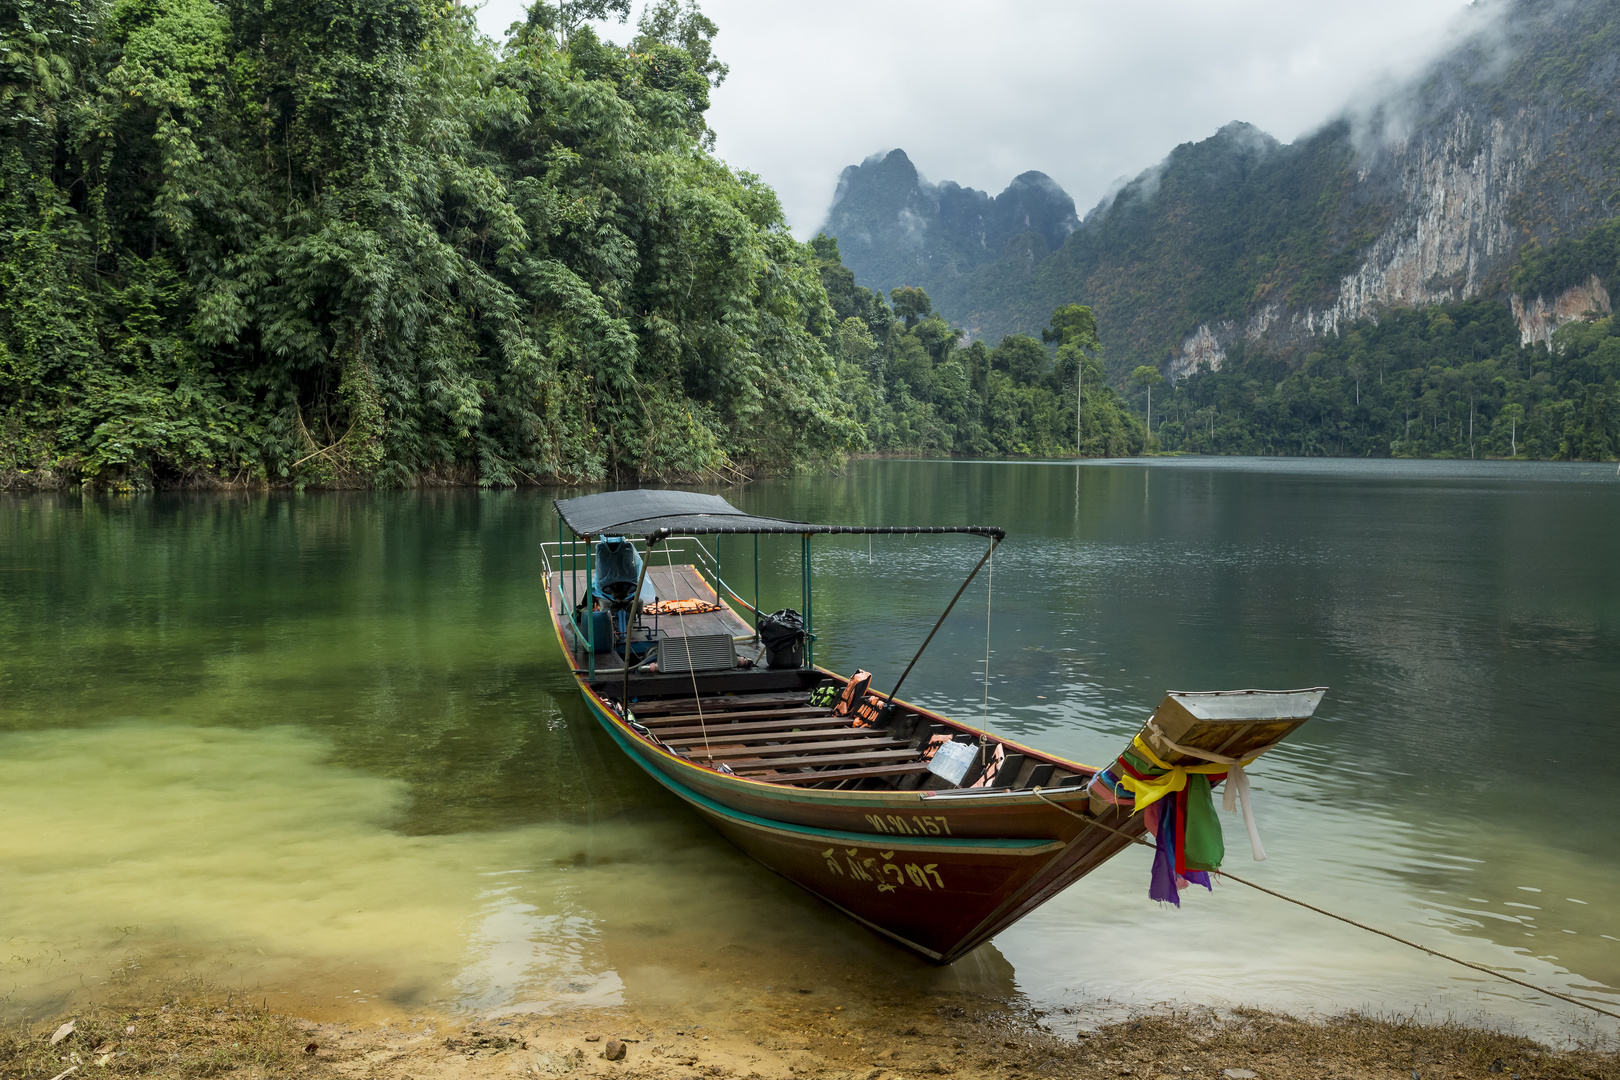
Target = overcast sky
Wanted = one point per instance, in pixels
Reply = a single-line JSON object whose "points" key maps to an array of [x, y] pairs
{"points": [[1086, 91]]}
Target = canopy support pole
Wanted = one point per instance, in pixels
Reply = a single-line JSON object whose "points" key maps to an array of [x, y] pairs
{"points": [[805, 600], [630, 626], [984, 559], [590, 615]]}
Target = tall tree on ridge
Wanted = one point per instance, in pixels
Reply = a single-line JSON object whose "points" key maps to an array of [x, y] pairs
{"points": [[1149, 377], [910, 303], [1074, 328]]}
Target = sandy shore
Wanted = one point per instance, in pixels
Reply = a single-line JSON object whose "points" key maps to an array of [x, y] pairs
{"points": [[785, 1036]]}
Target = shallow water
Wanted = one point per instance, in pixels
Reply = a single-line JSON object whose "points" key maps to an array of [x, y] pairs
{"points": [[324, 748]]}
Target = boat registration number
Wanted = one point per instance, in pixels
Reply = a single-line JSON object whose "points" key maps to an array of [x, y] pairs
{"points": [[910, 824]]}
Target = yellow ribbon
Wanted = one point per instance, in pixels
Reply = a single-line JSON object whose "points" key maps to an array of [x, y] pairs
{"points": [[1151, 790]]}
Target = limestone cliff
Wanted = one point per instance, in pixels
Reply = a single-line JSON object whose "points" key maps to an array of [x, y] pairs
{"points": [[1432, 194], [1539, 318]]}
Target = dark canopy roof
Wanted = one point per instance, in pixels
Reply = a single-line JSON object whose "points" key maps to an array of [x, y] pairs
{"points": [[657, 514]]}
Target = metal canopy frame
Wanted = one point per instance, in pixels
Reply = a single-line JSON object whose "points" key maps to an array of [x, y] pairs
{"points": [[655, 515]]}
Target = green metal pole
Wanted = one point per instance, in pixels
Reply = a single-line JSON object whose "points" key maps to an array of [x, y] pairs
{"points": [[809, 600], [590, 616], [756, 587]]}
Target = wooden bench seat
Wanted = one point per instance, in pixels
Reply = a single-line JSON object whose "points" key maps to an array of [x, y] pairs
{"points": [[878, 757], [822, 724], [718, 703], [698, 750], [750, 714], [857, 773], [721, 737]]}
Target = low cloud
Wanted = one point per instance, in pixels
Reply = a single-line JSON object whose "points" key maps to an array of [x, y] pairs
{"points": [[1085, 92]]}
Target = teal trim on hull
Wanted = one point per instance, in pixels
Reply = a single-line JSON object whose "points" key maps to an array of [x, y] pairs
{"points": [[1025, 846]]}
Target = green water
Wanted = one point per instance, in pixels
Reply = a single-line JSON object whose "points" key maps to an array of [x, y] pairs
{"points": [[323, 746]]}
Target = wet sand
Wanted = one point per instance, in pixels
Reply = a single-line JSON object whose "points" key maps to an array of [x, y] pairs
{"points": [[785, 1035]]}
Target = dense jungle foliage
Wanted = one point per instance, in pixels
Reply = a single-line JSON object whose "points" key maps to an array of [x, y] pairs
{"points": [[353, 241], [1447, 381]]}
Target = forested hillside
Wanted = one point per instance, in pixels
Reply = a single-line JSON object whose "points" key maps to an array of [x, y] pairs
{"points": [[1447, 381], [1417, 277], [916, 388], [350, 241]]}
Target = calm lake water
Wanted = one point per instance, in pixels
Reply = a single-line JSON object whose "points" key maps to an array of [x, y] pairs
{"points": [[323, 747]]}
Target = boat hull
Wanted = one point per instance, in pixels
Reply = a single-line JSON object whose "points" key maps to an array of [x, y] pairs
{"points": [[940, 896]]}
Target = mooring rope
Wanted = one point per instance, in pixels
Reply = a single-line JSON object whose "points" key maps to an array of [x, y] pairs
{"points": [[989, 591], [686, 643], [984, 721], [1093, 822]]}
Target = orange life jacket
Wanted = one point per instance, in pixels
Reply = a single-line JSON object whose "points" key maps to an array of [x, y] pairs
{"points": [[871, 707], [998, 757], [680, 607], [854, 690]]}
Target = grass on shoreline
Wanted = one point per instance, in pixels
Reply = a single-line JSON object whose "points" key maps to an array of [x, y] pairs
{"points": [[196, 1032], [186, 1033]]}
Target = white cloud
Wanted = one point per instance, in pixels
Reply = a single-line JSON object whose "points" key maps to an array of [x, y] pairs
{"points": [[978, 92]]}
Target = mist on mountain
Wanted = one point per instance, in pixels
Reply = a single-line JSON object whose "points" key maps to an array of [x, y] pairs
{"points": [[1432, 191]]}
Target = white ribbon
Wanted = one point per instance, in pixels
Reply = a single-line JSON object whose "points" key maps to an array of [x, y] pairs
{"points": [[1237, 781]]}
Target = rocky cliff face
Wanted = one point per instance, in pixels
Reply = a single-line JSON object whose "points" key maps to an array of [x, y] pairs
{"points": [[1430, 195], [1452, 225], [1539, 319], [1201, 346], [1476, 178], [896, 228]]}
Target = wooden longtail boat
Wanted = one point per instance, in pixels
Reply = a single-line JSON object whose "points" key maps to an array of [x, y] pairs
{"points": [[856, 801]]}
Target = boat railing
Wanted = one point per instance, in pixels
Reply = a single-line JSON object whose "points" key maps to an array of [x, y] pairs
{"points": [[572, 561], [570, 603]]}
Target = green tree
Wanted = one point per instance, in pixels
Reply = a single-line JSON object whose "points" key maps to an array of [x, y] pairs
{"points": [[1022, 358], [1074, 328], [1510, 416], [1147, 377], [911, 304], [682, 27]]}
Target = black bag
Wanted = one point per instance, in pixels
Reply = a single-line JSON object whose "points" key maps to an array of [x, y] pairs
{"points": [[782, 634]]}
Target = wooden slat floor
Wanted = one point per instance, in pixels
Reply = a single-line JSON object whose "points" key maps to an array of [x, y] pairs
{"points": [[721, 703], [695, 749], [826, 775]]}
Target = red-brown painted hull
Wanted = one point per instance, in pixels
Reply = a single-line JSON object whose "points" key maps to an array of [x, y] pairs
{"points": [[941, 896]]}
